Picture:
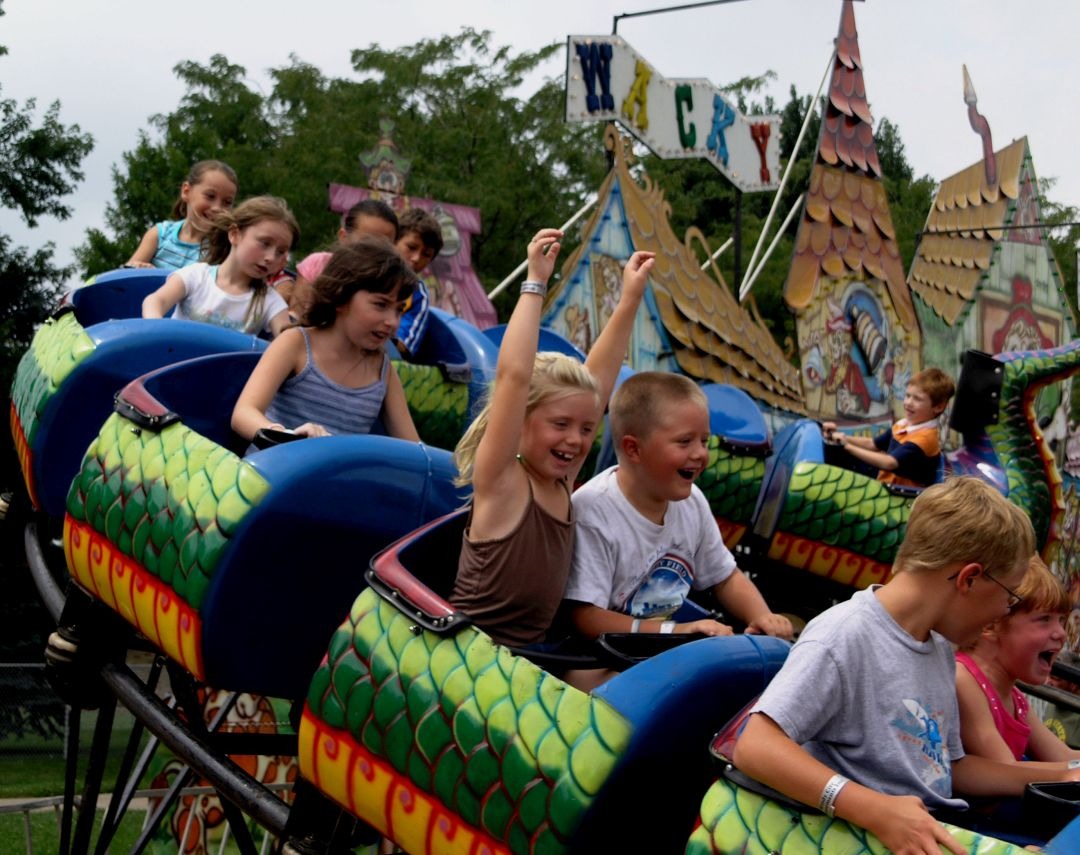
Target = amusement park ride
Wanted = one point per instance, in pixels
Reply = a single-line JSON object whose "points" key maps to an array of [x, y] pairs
{"points": [[241, 573]]}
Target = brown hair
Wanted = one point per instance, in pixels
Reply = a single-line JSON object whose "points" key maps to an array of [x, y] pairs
{"points": [[425, 226], [194, 176], [937, 385], [964, 520], [364, 264], [638, 403], [371, 208], [216, 245]]}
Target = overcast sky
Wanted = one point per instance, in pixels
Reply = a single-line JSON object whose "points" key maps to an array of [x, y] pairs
{"points": [[110, 64]]}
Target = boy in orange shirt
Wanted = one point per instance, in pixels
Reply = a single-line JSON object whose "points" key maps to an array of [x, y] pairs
{"points": [[909, 453]]}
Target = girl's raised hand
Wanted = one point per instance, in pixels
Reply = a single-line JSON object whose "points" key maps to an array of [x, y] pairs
{"points": [[636, 272], [543, 250]]}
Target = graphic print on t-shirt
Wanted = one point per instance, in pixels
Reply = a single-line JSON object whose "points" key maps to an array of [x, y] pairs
{"points": [[662, 590], [925, 729]]}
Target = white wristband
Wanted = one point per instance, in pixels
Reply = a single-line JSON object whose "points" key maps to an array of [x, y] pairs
{"points": [[1073, 764], [635, 626], [835, 784], [532, 287], [667, 627]]}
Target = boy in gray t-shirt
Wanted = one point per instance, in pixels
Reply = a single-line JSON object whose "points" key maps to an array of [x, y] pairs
{"points": [[862, 720], [645, 534]]}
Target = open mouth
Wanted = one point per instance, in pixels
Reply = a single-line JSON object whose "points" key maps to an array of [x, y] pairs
{"points": [[688, 474], [563, 456], [1048, 656]]}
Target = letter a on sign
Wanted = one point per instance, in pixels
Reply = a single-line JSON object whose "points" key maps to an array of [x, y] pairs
{"points": [[608, 81]]}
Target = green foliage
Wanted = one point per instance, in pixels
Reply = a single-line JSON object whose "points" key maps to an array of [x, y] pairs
{"points": [[472, 138], [1063, 235], [41, 158], [29, 285]]}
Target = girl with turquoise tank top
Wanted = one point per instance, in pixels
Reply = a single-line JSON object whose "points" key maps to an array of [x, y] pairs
{"points": [[209, 189], [332, 374]]}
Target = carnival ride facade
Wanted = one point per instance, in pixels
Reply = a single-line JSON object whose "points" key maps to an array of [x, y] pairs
{"points": [[235, 570], [238, 569]]}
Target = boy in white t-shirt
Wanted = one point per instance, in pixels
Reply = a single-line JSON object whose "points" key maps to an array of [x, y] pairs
{"points": [[645, 534]]}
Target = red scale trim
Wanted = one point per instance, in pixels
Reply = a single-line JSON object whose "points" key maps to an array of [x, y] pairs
{"points": [[25, 455], [401, 789], [84, 547]]}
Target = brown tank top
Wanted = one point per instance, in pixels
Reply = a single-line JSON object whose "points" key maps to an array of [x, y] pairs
{"points": [[511, 586]]}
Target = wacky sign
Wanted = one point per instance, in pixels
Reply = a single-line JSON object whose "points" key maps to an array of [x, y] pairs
{"points": [[607, 80]]}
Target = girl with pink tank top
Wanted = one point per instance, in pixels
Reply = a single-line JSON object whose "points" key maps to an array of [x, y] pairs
{"points": [[996, 719]]}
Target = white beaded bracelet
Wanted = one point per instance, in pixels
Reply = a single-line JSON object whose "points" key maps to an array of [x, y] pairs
{"points": [[827, 805]]}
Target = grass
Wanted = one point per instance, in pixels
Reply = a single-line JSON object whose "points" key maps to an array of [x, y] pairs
{"points": [[45, 832], [33, 767]]}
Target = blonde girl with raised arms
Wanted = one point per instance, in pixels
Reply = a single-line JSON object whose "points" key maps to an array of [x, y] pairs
{"points": [[246, 246], [523, 453], [209, 189], [333, 375]]}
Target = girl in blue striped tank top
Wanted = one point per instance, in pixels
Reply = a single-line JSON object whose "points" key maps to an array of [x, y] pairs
{"points": [[332, 375]]}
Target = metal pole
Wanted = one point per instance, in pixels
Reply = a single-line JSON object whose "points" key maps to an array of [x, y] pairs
{"points": [[229, 779], [498, 289], [616, 18], [723, 248], [47, 587], [783, 228], [787, 172], [737, 275]]}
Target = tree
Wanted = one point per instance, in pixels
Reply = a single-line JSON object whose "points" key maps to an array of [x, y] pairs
{"points": [[41, 158], [1063, 234], [41, 166], [472, 139]]}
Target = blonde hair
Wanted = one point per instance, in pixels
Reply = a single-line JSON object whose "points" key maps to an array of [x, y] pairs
{"points": [[216, 245], [965, 520], [637, 405], [554, 376]]}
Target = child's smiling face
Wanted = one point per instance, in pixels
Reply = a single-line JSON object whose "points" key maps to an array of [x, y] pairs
{"points": [[558, 432], [1028, 644], [676, 450], [918, 407]]}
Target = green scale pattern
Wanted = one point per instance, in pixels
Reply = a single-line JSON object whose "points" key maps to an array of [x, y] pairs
{"points": [[439, 407], [505, 745], [845, 509], [737, 820], [1012, 439], [169, 500], [57, 348], [731, 482]]}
